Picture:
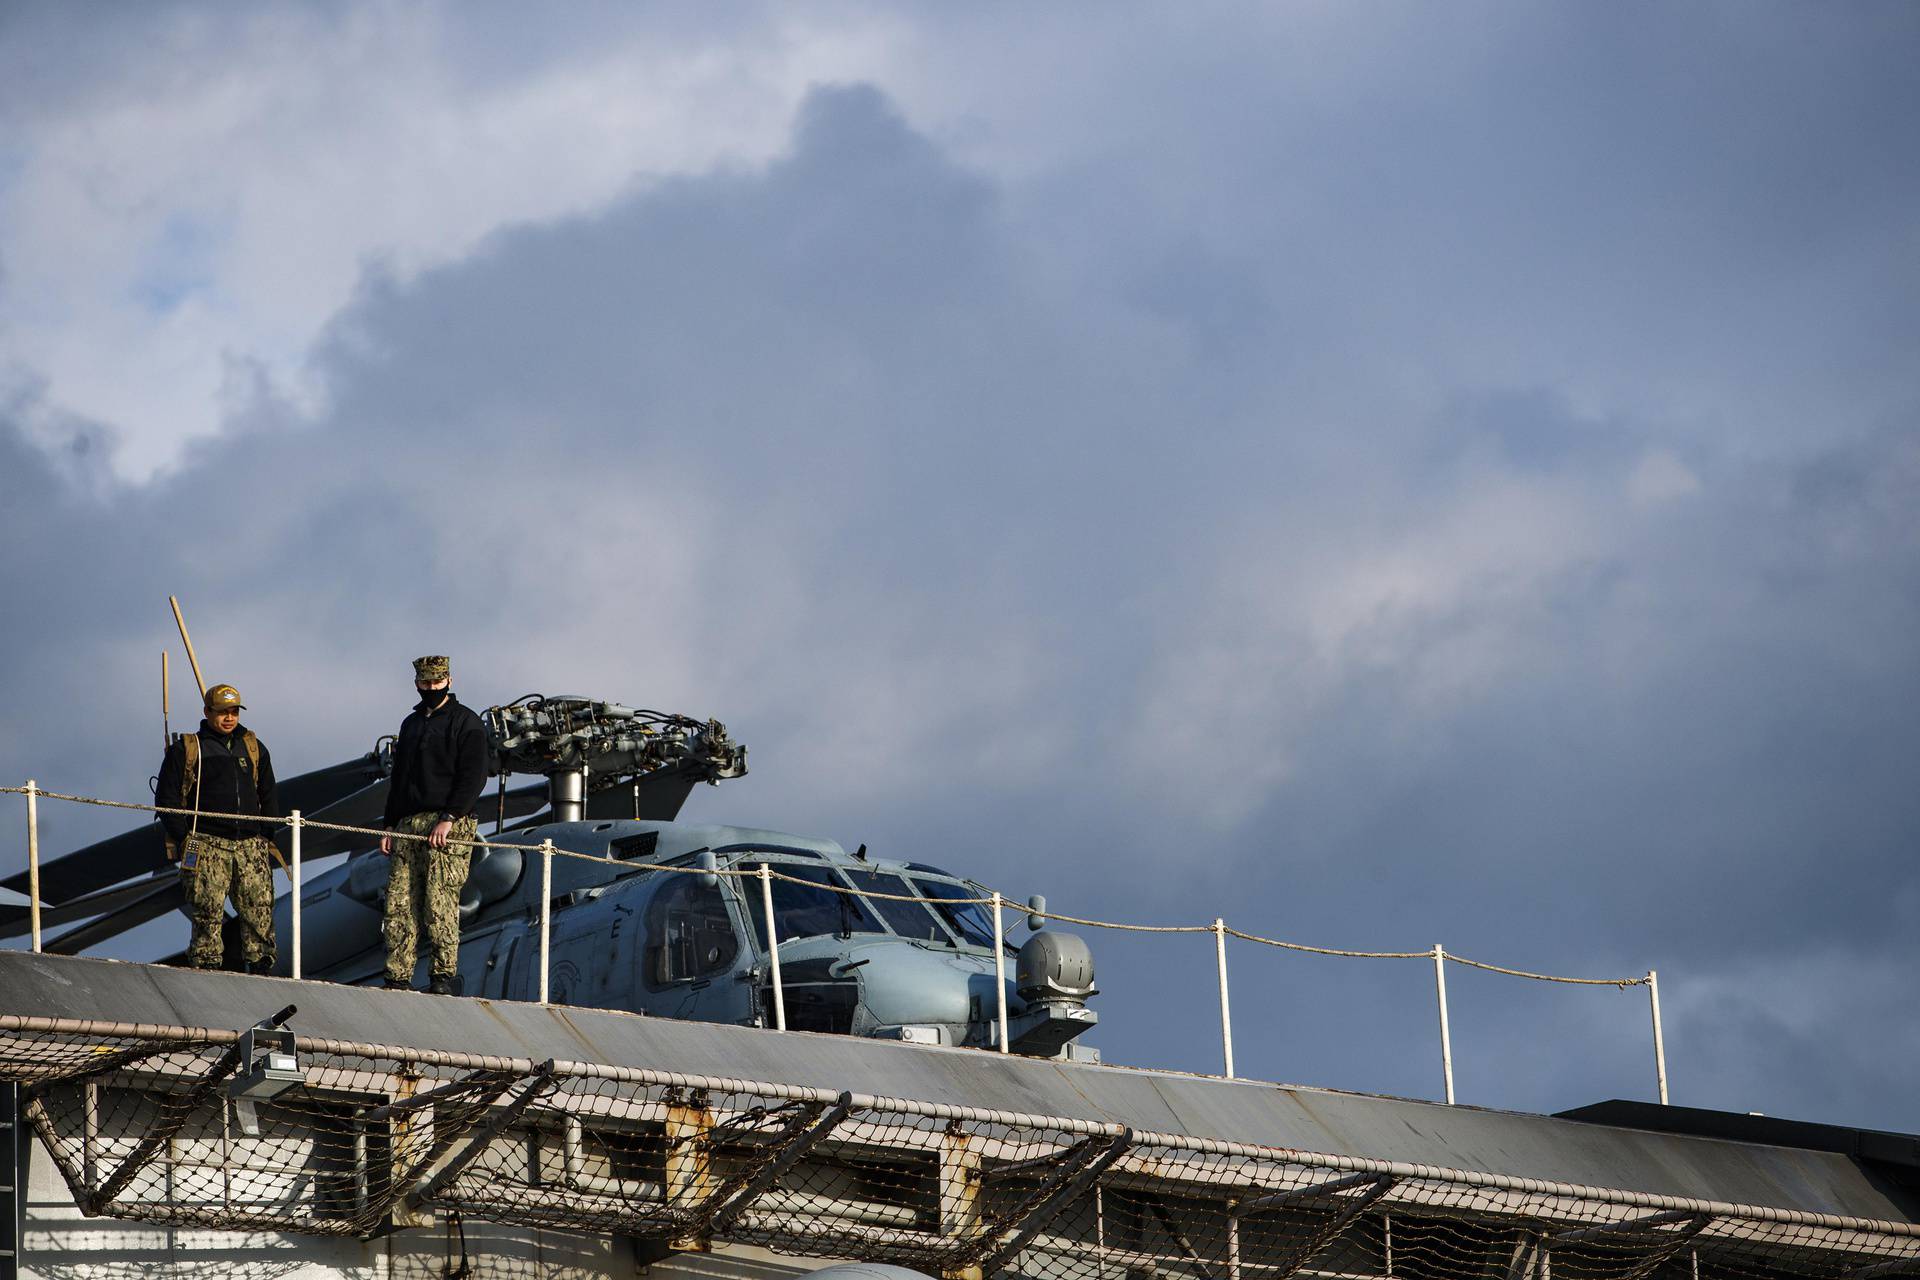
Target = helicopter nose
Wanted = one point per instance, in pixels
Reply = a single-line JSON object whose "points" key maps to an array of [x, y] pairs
{"points": [[905, 986]]}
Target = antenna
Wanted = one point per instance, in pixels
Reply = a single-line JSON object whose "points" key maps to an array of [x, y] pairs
{"points": [[187, 640], [166, 708]]}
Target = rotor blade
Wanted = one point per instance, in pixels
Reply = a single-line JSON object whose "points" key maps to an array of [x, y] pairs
{"points": [[143, 849], [15, 919], [521, 801], [311, 792], [361, 809], [162, 896], [656, 797], [95, 866]]}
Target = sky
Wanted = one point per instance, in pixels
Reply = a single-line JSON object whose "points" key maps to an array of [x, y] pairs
{"points": [[1383, 475]]}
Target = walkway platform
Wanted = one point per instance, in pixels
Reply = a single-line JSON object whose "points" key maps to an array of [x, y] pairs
{"points": [[956, 1161]]}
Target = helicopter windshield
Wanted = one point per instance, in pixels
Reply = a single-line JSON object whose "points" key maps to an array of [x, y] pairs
{"points": [[909, 919], [813, 910], [969, 919]]}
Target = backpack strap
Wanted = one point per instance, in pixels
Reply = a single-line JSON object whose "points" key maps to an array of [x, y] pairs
{"points": [[189, 787], [190, 776], [252, 745]]}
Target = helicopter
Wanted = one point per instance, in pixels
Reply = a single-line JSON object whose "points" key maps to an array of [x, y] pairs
{"points": [[662, 921]]}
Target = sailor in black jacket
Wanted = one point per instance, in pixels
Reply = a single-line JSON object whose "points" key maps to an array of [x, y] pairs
{"points": [[439, 768]]}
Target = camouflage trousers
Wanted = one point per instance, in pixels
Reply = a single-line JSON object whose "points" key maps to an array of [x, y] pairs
{"points": [[423, 894], [242, 869]]}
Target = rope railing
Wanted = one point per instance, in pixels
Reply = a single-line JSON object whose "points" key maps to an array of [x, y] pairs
{"points": [[767, 875]]}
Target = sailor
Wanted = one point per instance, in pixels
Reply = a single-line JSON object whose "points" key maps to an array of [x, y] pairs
{"points": [[439, 767], [225, 774]]}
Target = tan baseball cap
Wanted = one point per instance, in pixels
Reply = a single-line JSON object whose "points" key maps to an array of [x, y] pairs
{"points": [[224, 697]]}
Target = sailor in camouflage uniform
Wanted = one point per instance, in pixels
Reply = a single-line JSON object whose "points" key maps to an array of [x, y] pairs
{"points": [[225, 773], [439, 768]]}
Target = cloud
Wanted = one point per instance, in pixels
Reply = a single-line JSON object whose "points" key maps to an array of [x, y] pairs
{"points": [[193, 188], [1376, 498]]}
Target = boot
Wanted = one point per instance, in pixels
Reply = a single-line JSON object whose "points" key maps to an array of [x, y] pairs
{"points": [[261, 966], [444, 985], [396, 984]]}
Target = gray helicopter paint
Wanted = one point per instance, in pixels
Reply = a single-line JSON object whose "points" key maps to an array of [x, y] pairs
{"points": [[342, 907], [1325, 1121], [605, 931]]}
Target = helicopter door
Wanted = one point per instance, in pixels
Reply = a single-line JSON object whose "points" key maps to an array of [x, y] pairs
{"points": [[692, 949]]}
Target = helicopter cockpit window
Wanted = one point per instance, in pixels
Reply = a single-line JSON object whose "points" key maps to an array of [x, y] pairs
{"points": [[807, 911], [969, 919], [689, 934], [908, 919]]}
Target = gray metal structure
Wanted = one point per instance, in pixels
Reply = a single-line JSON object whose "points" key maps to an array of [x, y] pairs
{"points": [[1329, 1122], [407, 1112]]}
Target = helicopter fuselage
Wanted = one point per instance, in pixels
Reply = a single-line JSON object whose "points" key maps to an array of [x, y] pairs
{"points": [[650, 922]]}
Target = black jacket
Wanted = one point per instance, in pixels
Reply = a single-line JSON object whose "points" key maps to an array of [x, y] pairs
{"points": [[439, 763], [227, 785]]}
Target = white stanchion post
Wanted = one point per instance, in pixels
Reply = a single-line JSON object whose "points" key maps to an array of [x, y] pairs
{"points": [[773, 948], [546, 914], [1226, 1014], [1000, 971], [33, 859], [1659, 1037], [294, 871], [1446, 1034]]}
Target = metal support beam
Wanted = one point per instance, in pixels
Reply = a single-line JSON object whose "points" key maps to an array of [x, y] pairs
{"points": [[958, 1194], [1671, 1242], [98, 1199], [34, 1112], [33, 859], [541, 1081], [1561, 1239], [1350, 1208], [1077, 1171], [800, 1135], [1226, 1012], [1648, 1234], [689, 1155], [1000, 972], [1179, 1237], [1281, 1199], [498, 1081], [294, 823], [1659, 1035]]}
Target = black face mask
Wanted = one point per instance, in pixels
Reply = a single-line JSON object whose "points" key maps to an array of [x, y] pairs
{"points": [[434, 697]]}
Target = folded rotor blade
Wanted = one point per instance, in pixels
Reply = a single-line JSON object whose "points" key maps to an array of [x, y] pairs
{"points": [[16, 921], [311, 792], [98, 865], [161, 896], [363, 808], [655, 797]]}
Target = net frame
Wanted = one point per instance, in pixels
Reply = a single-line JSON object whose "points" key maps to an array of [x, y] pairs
{"points": [[142, 1123]]}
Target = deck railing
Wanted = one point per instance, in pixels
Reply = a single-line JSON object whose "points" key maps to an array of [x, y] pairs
{"points": [[995, 902]]}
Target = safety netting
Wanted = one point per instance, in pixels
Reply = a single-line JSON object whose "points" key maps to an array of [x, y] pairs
{"points": [[176, 1126]]}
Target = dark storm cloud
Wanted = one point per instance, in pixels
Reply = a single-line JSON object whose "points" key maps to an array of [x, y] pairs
{"points": [[1316, 555]]}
